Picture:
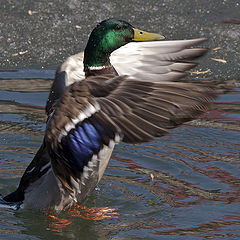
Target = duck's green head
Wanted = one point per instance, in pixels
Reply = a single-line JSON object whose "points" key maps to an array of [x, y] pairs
{"points": [[110, 35]]}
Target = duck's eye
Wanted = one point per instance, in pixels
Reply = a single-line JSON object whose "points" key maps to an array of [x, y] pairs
{"points": [[117, 28]]}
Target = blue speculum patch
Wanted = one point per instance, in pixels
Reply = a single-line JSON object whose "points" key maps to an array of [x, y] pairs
{"points": [[80, 144]]}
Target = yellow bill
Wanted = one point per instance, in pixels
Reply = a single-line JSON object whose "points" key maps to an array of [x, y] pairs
{"points": [[142, 36]]}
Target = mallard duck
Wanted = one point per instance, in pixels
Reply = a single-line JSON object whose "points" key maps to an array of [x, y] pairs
{"points": [[124, 87]]}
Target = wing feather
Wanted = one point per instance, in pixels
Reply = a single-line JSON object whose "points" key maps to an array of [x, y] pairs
{"points": [[144, 110], [149, 59]]}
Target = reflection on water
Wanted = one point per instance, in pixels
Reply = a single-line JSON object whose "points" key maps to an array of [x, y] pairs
{"points": [[183, 186]]}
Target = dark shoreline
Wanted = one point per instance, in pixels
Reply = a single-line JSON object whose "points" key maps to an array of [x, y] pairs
{"points": [[41, 34]]}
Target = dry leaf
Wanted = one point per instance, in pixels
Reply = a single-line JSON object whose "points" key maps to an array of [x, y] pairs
{"points": [[202, 72], [20, 53], [30, 12], [78, 27], [219, 60], [216, 48], [234, 21]]}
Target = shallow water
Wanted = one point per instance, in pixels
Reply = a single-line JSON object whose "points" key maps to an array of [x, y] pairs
{"points": [[182, 186]]}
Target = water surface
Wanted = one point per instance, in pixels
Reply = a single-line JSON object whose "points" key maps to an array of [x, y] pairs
{"points": [[182, 186]]}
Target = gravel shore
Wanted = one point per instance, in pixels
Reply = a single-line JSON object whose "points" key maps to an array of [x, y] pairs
{"points": [[41, 34]]}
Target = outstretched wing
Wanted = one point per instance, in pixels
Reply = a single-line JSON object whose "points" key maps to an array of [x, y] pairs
{"points": [[152, 98], [164, 60], [161, 60], [144, 110]]}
